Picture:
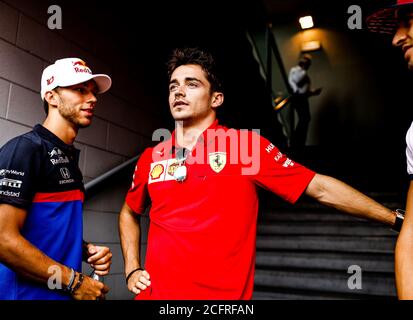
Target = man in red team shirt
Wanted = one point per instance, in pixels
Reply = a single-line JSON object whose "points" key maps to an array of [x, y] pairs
{"points": [[201, 242]]}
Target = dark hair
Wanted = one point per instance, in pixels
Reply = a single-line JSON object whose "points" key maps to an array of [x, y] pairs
{"points": [[46, 106], [403, 14], [305, 60], [184, 56]]}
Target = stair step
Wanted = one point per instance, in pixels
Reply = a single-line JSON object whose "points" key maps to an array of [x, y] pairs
{"points": [[325, 261], [306, 295], [308, 203], [326, 282], [308, 215], [304, 252], [327, 243], [325, 228]]}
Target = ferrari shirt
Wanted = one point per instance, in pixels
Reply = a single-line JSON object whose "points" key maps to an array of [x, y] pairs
{"points": [[201, 241], [39, 173]]}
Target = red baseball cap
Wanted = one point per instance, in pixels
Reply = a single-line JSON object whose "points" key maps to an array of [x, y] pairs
{"points": [[385, 19]]}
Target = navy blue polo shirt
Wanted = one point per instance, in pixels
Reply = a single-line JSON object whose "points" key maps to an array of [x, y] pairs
{"points": [[40, 173]]}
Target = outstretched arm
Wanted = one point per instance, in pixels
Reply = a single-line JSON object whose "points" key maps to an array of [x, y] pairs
{"points": [[335, 193], [404, 252]]}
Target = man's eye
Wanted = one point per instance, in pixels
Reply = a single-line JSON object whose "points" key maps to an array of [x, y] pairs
{"points": [[192, 85], [406, 21], [173, 87]]}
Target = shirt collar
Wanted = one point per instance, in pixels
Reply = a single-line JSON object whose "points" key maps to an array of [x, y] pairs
{"points": [[201, 139], [50, 136]]}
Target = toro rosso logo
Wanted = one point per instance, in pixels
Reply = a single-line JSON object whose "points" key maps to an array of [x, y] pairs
{"points": [[81, 67], [49, 81]]}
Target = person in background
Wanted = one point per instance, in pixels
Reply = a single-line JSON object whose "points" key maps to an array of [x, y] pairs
{"points": [[300, 84]]}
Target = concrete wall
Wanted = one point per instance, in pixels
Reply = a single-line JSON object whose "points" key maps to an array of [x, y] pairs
{"points": [[123, 124]]}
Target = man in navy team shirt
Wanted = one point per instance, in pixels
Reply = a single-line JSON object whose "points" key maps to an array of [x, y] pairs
{"points": [[41, 195]]}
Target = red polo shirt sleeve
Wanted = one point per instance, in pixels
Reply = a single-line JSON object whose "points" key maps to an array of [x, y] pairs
{"points": [[138, 192], [279, 174]]}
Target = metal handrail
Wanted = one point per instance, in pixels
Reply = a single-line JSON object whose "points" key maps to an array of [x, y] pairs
{"points": [[109, 174], [278, 102]]}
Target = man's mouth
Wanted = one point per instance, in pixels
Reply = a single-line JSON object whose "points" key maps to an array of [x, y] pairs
{"points": [[88, 111], [179, 103], [407, 51]]}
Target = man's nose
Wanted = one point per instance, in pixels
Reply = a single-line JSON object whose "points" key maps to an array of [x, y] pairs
{"points": [[91, 97], [399, 37], [179, 91]]}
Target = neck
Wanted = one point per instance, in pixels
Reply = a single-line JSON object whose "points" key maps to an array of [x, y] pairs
{"points": [[187, 133], [62, 129]]}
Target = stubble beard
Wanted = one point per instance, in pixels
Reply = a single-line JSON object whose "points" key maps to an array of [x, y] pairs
{"points": [[72, 116]]}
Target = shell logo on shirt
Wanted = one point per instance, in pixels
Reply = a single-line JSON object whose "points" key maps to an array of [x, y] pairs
{"points": [[157, 171], [217, 161], [162, 170]]}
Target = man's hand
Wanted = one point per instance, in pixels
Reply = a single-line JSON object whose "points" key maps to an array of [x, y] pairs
{"points": [[316, 92], [90, 289], [139, 281], [100, 259]]}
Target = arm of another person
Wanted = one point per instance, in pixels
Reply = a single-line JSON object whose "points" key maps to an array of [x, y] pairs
{"points": [[129, 231], [99, 258], [24, 258], [404, 252], [335, 193]]}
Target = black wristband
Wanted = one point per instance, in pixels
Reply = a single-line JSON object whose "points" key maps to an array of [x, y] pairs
{"points": [[78, 284], [132, 272], [399, 219]]}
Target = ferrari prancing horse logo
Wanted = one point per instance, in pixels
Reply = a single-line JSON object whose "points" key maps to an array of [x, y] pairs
{"points": [[217, 161]]}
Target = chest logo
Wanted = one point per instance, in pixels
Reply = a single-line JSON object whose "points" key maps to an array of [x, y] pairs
{"points": [[157, 171], [57, 156], [65, 173], [172, 168], [217, 161]]}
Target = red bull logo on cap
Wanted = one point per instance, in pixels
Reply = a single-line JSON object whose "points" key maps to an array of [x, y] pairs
{"points": [[80, 66], [79, 63]]}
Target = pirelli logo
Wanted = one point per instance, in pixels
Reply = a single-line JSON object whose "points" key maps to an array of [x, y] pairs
{"points": [[10, 183]]}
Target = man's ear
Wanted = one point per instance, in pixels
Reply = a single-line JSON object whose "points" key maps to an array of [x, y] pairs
{"points": [[217, 99], [51, 97]]}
